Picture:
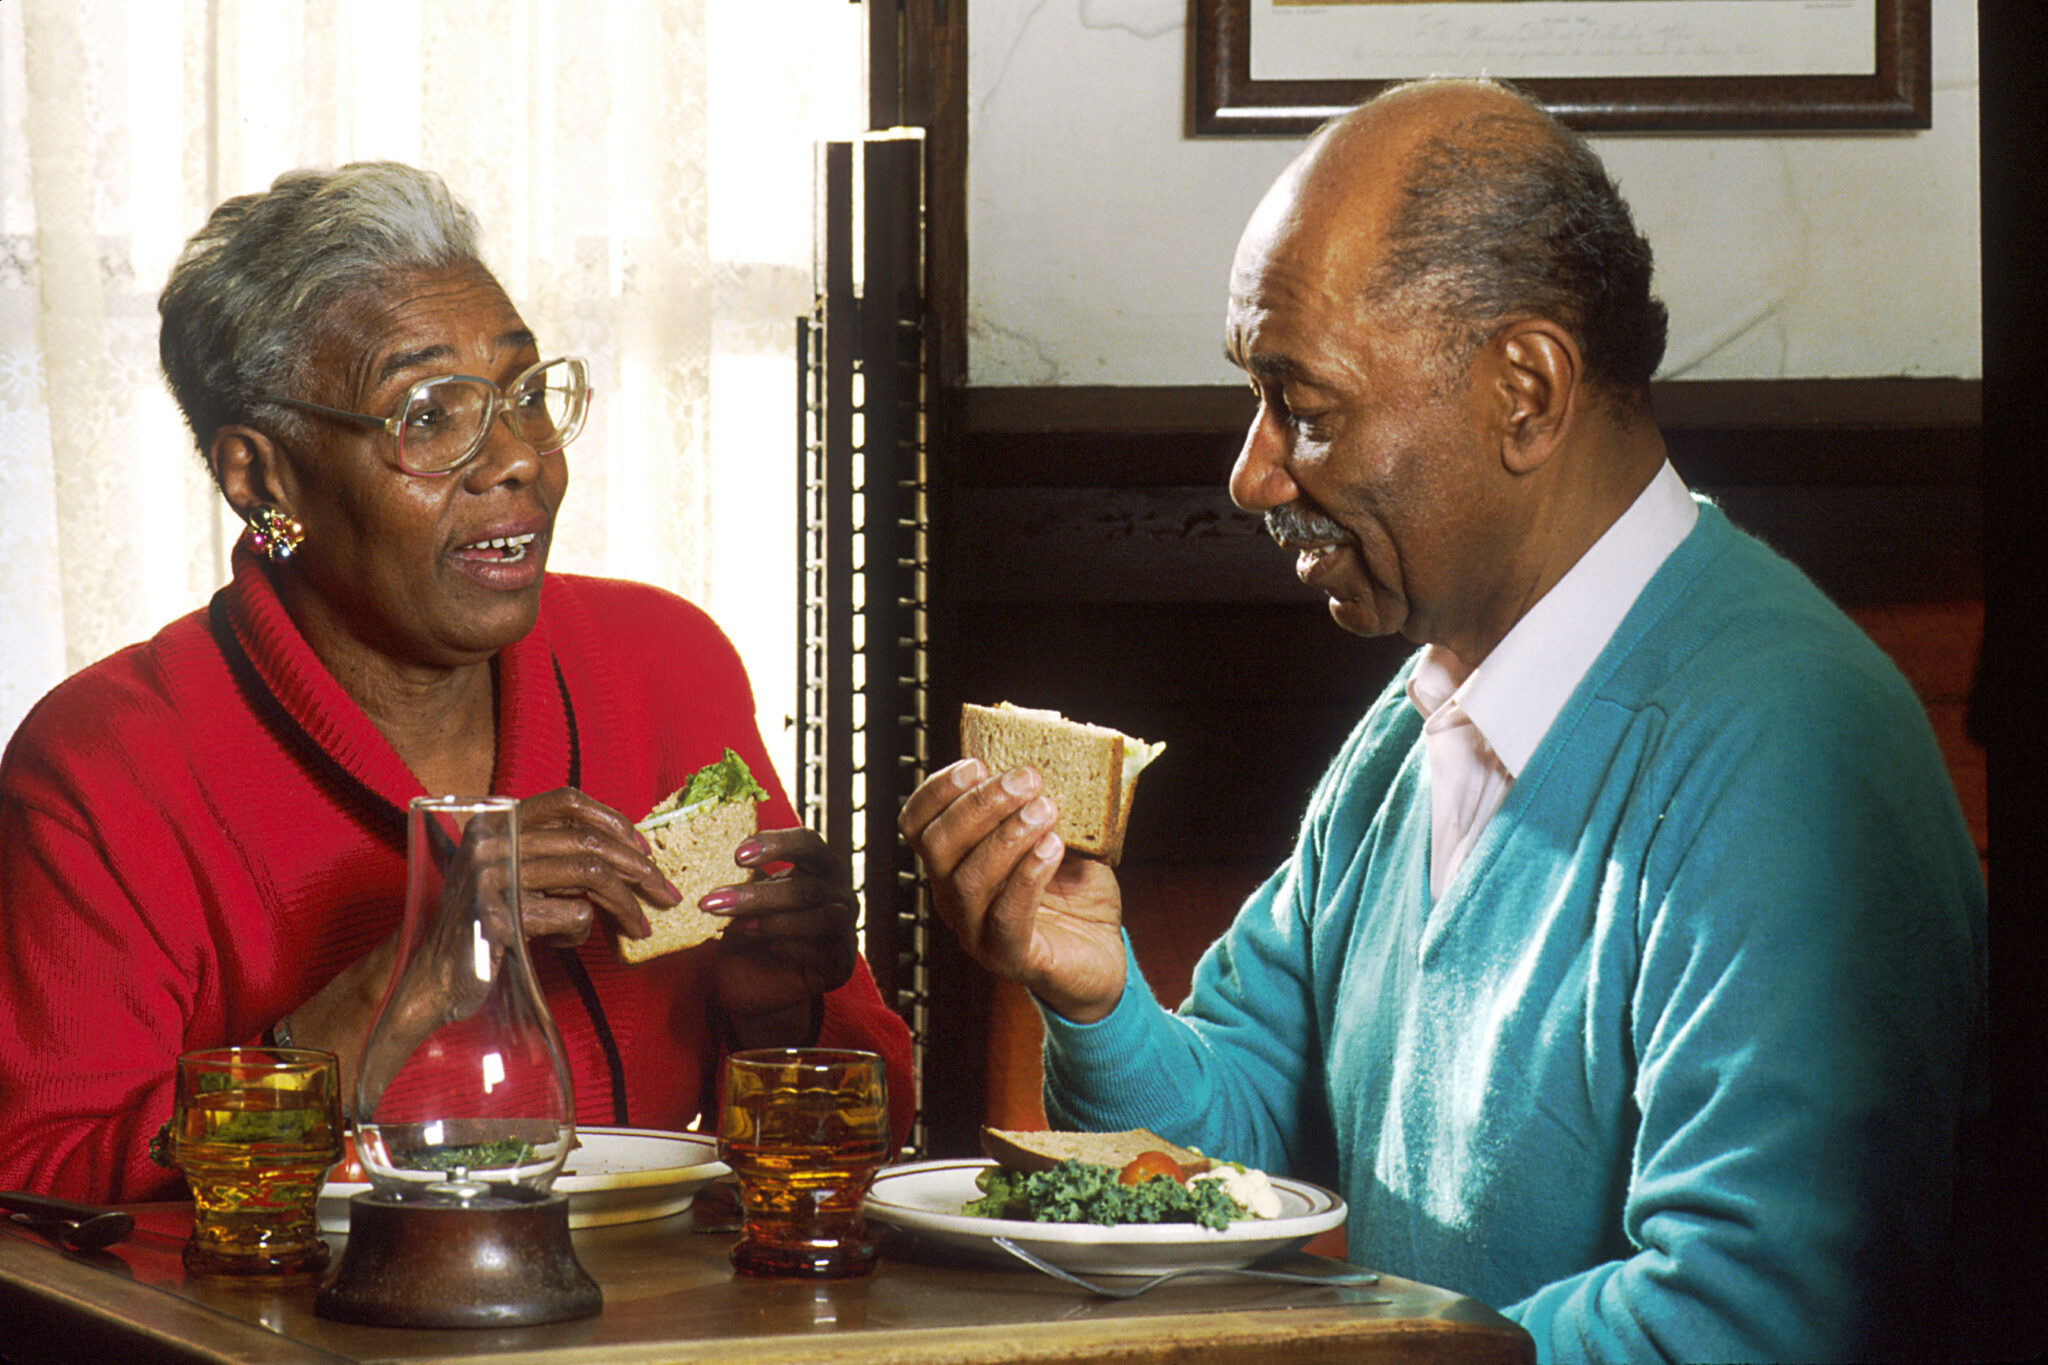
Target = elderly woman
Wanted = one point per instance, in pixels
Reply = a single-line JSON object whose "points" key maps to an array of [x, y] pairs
{"points": [[202, 838]]}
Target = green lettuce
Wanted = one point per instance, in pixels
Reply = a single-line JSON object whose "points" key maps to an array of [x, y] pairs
{"points": [[1085, 1192], [726, 780]]}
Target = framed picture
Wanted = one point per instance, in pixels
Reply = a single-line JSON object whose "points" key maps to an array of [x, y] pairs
{"points": [[1617, 66]]}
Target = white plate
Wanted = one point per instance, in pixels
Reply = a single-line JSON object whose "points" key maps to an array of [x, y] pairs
{"points": [[615, 1175], [925, 1197]]}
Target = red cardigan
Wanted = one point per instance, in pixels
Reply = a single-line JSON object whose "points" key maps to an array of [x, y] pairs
{"points": [[199, 832]]}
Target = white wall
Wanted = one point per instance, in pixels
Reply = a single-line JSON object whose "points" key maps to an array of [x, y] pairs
{"points": [[1099, 237]]}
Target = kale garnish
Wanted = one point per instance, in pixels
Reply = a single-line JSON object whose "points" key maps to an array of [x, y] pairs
{"points": [[1085, 1192]]}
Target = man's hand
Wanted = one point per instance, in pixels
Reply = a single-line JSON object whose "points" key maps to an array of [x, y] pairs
{"points": [[1002, 882]]}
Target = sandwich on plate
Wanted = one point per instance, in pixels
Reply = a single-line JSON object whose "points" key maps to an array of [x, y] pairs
{"points": [[1090, 771], [692, 835]]}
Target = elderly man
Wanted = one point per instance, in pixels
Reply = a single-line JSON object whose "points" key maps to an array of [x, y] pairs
{"points": [[1628, 969]]}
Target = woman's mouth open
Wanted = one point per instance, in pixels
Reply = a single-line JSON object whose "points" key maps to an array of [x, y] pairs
{"points": [[502, 549], [503, 563]]}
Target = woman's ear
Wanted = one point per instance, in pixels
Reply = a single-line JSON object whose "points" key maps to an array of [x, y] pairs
{"points": [[249, 467], [1538, 371]]}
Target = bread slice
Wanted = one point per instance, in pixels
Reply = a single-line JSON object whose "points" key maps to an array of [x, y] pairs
{"points": [[693, 850], [1021, 1151], [1090, 771]]}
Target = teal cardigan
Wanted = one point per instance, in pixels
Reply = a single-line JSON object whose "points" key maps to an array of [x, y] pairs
{"points": [[1675, 1067]]}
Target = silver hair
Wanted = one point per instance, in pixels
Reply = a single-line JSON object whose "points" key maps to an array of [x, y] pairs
{"points": [[254, 288]]}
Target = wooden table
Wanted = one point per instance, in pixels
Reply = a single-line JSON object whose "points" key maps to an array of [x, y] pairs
{"points": [[670, 1295]]}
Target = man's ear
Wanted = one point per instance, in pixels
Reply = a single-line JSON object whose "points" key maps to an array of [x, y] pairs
{"points": [[250, 468], [1537, 369]]}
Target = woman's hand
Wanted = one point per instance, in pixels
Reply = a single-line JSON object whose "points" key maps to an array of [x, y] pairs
{"points": [[579, 859], [790, 941], [1001, 879]]}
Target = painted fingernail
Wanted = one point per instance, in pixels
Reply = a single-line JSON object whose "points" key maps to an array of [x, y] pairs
{"points": [[749, 851], [640, 842], [721, 899], [1020, 781]]}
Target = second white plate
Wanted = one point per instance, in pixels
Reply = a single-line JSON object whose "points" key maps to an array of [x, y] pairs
{"points": [[925, 1197]]}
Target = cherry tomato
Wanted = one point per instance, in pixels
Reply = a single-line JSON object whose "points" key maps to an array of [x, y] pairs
{"points": [[1146, 1165]]}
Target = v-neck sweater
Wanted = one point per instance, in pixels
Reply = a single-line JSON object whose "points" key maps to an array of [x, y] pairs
{"points": [[1675, 1068], [200, 831]]}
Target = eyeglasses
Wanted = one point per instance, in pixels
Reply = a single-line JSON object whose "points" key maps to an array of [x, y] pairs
{"points": [[441, 423]]}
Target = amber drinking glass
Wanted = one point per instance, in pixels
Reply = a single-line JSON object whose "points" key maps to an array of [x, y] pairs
{"points": [[805, 1130], [255, 1130]]}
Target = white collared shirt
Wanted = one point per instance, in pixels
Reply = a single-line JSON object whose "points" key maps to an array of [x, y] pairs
{"points": [[1481, 727]]}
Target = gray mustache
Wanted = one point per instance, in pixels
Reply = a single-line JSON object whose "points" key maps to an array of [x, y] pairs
{"points": [[1293, 524]]}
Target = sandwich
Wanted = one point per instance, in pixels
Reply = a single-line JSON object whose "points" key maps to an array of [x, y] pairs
{"points": [[692, 835], [1090, 771], [1041, 1151]]}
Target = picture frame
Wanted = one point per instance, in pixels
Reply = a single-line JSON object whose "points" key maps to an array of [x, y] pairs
{"points": [[1283, 67]]}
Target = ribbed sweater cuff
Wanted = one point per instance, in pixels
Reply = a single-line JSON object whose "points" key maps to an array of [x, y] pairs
{"points": [[1099, 1073]]}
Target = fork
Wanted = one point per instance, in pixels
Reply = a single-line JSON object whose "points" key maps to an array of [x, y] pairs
{"points": [[1131, 1291]]}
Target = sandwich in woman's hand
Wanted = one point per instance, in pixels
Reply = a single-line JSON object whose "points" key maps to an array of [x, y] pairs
{"points": [[692, 836], [1090, 771]]}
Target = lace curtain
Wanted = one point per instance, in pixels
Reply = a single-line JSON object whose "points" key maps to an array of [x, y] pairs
{"points": [[642, 170]]}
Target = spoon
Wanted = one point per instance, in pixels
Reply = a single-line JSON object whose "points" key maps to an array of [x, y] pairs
{"points": [[81, 1227]]}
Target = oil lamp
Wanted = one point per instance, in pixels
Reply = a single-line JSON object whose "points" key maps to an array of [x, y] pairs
{"points": [[464, 1113]]}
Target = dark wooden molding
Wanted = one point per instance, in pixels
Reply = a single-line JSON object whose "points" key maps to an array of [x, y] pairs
{"points": [[1683, 403], [1813, 404], [1117, 494], [889, 69], [1762, 431], [934, 98]]}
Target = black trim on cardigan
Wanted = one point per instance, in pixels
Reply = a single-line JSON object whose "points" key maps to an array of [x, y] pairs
{"points": [[572, 963]]}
